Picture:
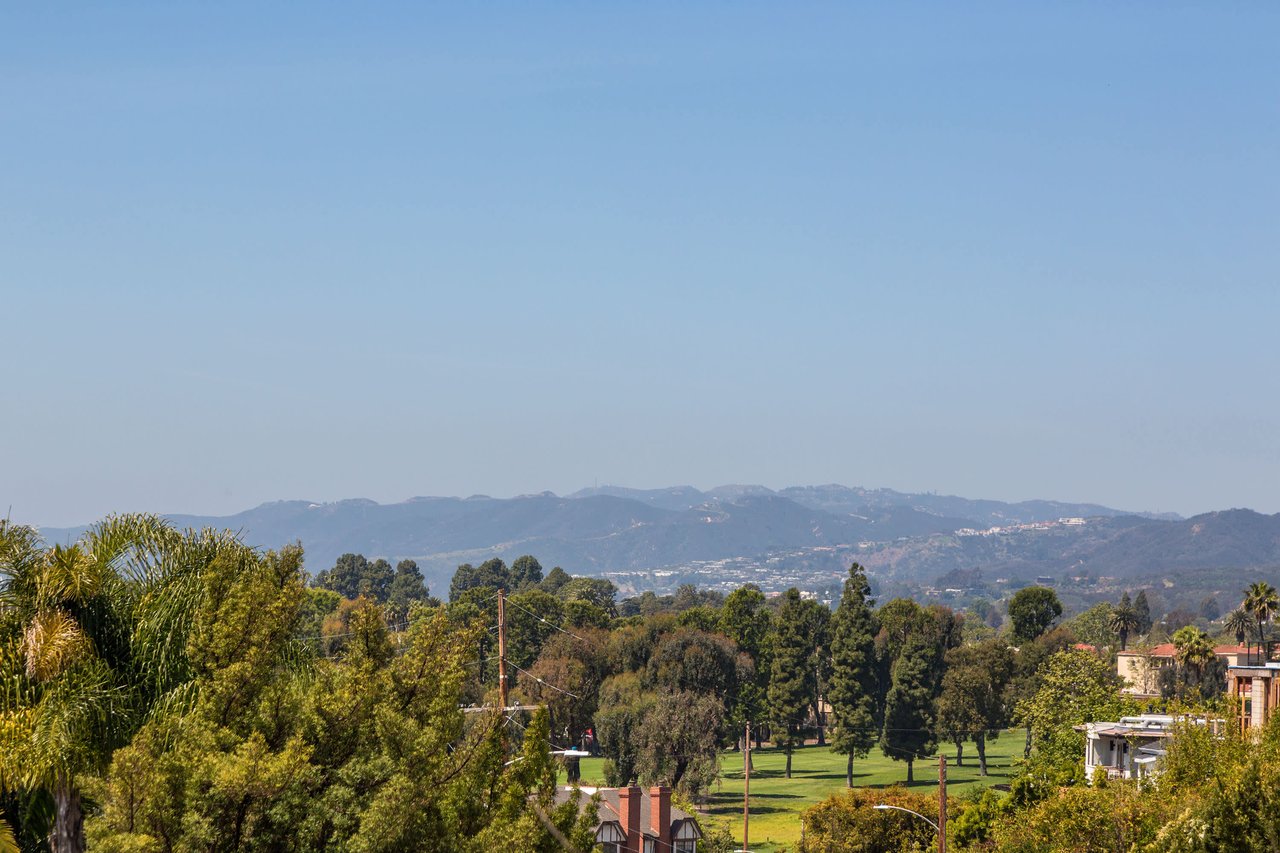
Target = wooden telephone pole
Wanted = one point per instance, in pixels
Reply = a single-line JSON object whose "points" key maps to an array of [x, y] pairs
{"points": [[746, 787], [942, 803], [502, 648]]}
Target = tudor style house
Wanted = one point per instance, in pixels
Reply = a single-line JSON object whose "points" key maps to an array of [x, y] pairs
{"points": [[630, 820]]}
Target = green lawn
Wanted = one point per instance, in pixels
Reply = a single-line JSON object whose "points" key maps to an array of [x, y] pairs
{"points": [[816, 773]]}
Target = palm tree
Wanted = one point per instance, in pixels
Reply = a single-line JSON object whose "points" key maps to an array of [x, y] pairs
{"points": [[92, 639], [1124, 620], [1194, 651], [1237, 622], [1261, 600]]}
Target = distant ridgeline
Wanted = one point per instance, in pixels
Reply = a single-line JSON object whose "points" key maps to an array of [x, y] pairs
{"points": [[656, 539]]}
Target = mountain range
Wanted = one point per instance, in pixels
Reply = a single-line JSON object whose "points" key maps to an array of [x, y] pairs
{"points": [[670, 532]]}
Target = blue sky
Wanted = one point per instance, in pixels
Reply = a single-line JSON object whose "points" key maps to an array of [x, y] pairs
{"points": [[320, 251]]}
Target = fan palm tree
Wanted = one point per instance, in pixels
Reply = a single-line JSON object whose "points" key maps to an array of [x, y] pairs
{"points": [[92, 639], [1262, 601], [1194, 650], [1237, 622], [1124, 621]]}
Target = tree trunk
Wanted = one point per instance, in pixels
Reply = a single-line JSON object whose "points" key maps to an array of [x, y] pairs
{"points": [[959, 753], [68, 822], [788, 759], [910, 777], [980, 740], [848, 771], [1026, 750]]}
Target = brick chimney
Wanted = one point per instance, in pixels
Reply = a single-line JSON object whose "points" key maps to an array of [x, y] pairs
{"points": [[629, 817], [660, 815]]}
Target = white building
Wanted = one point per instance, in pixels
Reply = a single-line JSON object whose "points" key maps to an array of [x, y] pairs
{"points": [[1133, 747]]}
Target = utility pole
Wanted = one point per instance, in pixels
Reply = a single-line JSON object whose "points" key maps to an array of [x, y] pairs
{"points": [[746, 787], [502, 648], [942, 803]]}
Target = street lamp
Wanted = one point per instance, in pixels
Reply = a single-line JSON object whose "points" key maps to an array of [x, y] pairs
{"points": [[567, 753], [941, 840]]}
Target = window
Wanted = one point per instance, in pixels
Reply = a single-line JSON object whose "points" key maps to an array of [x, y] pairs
{"points": [[686, 847], [610, 847]]}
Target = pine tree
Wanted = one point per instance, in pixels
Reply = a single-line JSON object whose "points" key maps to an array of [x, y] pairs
{"points": [[909, 718], [852, 688], [791, 677]]}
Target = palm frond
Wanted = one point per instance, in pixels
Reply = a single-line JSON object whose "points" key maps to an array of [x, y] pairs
{"points": [[52, 644], [8, 842]]}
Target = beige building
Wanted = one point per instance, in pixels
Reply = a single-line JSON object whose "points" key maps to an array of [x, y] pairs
{"points": [[1255, 688], [1141, 669]]}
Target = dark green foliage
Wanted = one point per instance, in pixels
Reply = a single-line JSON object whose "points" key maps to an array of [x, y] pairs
{"points": [[526, 571], [1032, 610], [354, 575], [1143, 611], [598, 592], [909, 721], [791, 678], [679, 744], [853, 681], [555, 579], [972, 704], [695, 661], [491, 575], [407, 588]]}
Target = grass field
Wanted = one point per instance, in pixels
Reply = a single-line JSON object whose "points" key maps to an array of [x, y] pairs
{"points": [[816, 773]]}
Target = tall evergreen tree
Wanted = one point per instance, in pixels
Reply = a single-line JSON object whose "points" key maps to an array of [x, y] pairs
{"points": [[909, 717], [852, 688], [1143, 609], [791, 676]]}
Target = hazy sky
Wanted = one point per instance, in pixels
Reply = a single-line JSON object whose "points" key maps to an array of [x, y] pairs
{"points": [[999, 250]]}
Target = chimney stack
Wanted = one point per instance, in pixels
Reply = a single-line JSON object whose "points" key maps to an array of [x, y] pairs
{"points": [[629, 817], [660, 815]]}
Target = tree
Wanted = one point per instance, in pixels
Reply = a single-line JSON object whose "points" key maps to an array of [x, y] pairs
{"points": [[909, 714], [598, 592], [93, 641], [407, 587], [1093, 626], [1076, 687], [489, 576], [816, 619], [1237, 624], [526, 571], [566, 678], [1143, 609], [1028, 673], [1032, 610], [1262, 601], [1124, 620], [624, 706], [679, 741], [554, 580], [852, 687], [746, 619], [790, 681], [972, 704], [1194, 651]]}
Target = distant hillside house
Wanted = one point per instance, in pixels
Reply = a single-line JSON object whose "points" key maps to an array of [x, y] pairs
{"points": [[1141, 669], [630, 821]]}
